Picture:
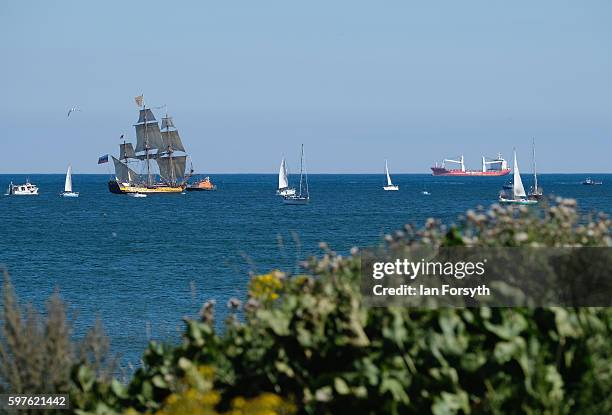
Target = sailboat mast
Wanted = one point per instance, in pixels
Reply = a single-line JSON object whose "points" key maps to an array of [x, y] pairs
{"points": [[535, 173], [305, 174], [301, 167]]}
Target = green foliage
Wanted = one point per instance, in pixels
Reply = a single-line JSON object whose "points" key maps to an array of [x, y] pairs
{"points": [[37, 352], [309, 339]]}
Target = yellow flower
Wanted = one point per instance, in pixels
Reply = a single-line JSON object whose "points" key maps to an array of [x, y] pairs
{"points": [[238, 402], [206, 371], [265, 287], [210, 398]]}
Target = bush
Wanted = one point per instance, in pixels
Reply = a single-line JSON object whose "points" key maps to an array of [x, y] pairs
{"points": [[38, 352], [306, 343], [308, 339]]}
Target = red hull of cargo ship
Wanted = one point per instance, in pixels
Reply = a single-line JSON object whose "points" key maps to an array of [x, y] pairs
{"points": [[441, 171]]}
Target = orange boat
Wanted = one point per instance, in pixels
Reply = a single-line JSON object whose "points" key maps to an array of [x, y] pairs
{"points": [[204, 184]]}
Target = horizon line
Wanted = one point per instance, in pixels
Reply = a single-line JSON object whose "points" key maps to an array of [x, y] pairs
{"points": [[63, 173]]}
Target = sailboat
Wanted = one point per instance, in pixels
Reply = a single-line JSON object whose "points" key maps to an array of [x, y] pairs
{"points": [[299, 199], [535, 193], [283, 182], [390, 185], [518, 195], [68, 185], [153, 147]]}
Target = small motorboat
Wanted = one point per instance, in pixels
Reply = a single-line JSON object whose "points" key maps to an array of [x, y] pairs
{"points": [[425, 192], [202, 185], [27, 189], [590, 182]]}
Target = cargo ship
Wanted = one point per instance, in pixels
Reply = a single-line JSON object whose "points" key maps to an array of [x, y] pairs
{"points": [[490, 167]]}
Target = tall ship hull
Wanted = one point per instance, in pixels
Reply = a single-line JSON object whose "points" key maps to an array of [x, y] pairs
{"points": [[125, 188], [441, 171], [490, 168]]}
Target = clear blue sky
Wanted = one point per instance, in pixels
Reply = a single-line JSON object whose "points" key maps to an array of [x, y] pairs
{"points": [[356, 81]]}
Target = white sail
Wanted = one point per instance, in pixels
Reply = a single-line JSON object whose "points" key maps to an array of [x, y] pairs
{"points": [[517, 189], [282, 176], [68, 184], [389, 183]]}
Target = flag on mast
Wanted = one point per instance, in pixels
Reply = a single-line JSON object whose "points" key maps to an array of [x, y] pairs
{"points": [[103, 159], [139, 100]]}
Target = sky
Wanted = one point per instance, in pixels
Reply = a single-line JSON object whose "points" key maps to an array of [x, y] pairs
{"points": [[355, 81]]}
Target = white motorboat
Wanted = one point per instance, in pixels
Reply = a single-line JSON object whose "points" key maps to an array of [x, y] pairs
{"points": [[27, 189]]}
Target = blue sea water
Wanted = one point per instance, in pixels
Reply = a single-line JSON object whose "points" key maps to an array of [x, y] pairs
{"points": [[142, 264]]}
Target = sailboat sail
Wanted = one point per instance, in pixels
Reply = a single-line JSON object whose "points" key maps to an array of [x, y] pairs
{"points": [[517, 189], [123, 173], [389, 183], [283, 182], [148, 136], [68, 184], [126, 150], [170, 136], [172, 140], [172, 169]]}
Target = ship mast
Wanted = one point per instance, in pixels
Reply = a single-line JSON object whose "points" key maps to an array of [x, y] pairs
{"points": [[147, 148], [172, 167], [168, 121], [148, 137]]}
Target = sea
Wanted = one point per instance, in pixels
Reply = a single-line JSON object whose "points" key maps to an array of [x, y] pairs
{"points": [[142, 264]]}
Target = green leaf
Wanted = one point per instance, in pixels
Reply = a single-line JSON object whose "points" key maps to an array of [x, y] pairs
{"points": [[341, 386]]}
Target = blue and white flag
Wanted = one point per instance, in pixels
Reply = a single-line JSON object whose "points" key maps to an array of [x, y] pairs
{"points": [[103, 159]]}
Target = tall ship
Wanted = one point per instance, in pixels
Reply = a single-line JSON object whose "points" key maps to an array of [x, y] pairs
{"points": [[159, 156], [490, 167]]}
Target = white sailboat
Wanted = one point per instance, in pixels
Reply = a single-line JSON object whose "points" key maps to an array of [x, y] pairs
{"points": [[299, 199], [283, 182], [535, 192], [68, 185], [390, 186], [518, 195]]}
